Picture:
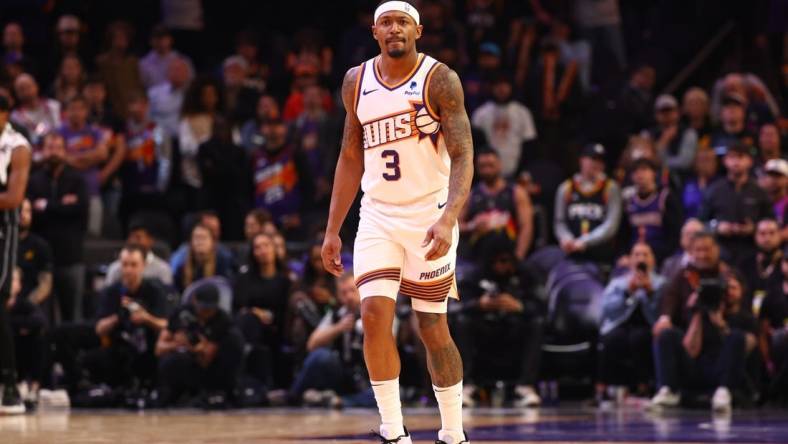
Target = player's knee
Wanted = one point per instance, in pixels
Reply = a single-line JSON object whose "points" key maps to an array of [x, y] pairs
{"points": [[433, 327], [377, 314]]}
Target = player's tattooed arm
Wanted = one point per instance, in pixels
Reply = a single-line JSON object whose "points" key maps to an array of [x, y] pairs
{"points": [[446, 96], [347, 176]]}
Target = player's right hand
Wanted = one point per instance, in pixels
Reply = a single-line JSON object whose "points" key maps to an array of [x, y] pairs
{"points": [[332, 246]]}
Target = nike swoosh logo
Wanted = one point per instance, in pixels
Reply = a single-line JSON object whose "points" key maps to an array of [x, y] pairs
{"points": [[365, 92], [440, 206]]}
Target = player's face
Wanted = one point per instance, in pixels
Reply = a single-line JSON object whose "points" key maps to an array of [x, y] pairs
{"points": [[396, 33]]}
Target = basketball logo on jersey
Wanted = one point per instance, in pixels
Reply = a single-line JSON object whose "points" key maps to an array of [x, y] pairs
{"points": [[416, 121]]}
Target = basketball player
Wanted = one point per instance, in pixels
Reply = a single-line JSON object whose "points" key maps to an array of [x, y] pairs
{"points": [[407, 141], [14, 170]]}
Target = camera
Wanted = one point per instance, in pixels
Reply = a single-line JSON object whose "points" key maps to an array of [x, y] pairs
{"points": [[710, 295], [190, 326], [641, 267]]}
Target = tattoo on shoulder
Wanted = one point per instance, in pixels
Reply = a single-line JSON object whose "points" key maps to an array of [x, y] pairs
{"points": [[352, 133]]}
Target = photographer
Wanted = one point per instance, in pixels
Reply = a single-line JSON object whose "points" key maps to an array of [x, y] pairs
{"points": [[199, 350], [773, 337], [712, 351], [500, 320], [335, 364], [130, 315], [630, 306]]}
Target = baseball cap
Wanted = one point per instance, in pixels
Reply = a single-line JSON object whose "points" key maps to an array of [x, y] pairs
{"points": [[665, 102], [206, 297], [5, 104], [593, 150], [734, 98], [777, 166]]}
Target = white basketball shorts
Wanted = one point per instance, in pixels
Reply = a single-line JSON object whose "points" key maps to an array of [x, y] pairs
{"points": [[388, 258]]}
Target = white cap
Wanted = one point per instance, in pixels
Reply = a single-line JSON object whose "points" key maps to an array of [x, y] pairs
{"points": [[400, 6], [779, 166]]}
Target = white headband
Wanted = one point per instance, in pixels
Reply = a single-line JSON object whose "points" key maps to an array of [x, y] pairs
{"points": [[400, 6]]}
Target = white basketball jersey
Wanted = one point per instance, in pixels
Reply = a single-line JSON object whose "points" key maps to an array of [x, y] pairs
{"points": [[405, 155], [10, 139]]}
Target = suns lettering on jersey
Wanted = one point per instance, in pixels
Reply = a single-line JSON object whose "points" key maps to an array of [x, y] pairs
{"points": [[389, 129]]}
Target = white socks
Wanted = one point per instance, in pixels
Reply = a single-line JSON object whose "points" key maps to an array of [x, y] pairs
{"points": [[450, 406], [387, 398]]}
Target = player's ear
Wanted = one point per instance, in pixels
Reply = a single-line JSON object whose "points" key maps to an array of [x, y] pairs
{"points": [[374, 35], [419, 29]]}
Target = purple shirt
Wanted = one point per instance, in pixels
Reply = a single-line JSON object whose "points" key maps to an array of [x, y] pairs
{"points": [[82, 141]]}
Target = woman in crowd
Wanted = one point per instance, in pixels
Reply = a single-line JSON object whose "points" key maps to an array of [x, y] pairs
{"points": [[201, 259], [70, 79], [260, 298]]}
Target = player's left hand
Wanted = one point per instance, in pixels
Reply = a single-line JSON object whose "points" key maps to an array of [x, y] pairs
{"points": [[440, 234]]}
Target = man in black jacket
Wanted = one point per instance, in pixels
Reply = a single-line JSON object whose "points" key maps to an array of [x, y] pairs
{"points": [[732, 206], [60, 205]]}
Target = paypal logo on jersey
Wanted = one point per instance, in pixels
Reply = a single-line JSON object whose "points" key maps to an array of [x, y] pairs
{"points": [[412, 89]]}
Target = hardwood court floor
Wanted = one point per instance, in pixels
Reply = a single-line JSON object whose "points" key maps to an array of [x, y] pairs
{"points": [[282, 426]]}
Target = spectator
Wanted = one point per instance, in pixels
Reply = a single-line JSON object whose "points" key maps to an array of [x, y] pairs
{"points": [[654, 215], [312, 298], [38, 115], [681, 258], [69, 81], [118, 67], [478, 81], [675, 143], [211, 220], [261, 294], [772, 313], [248, 48], [100, 110], [316, 132], [774, 182], [588, 209], [202, 259], [733, 124], [156, 63], [553, 85], [497, 206], [712, 351], [166, 99], [508, 125], [599, 22], [255, 223], [251, 131], [769, 143], [499, 314], [145, 172], [156, 268], [199, 351], [86, 150], [630, 306], [732, 206], [635, 100], [130, 315], [703, 176], [695, 114], [441, 36], [28, 323], [240, 92], [60, 204], [281, 178], [14, 49], [198, 117], [336, 361], [306, 74], [225, 179], [34, 259], [761, 270], [68, 41]]}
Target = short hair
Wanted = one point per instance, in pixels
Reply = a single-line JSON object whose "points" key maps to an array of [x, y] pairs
{"points": [[768, 219], [139, 225], [487, 152], [703, 234], [131, 248], [77, 99], [260, 215]]}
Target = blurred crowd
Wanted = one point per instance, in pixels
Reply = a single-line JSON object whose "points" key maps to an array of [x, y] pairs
{"points": [[625, 232]]}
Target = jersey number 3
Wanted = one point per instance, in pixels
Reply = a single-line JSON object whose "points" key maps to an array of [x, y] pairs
{"points": [[393, 165]]}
